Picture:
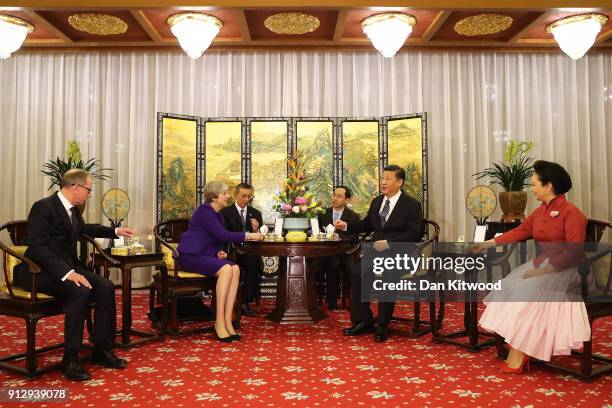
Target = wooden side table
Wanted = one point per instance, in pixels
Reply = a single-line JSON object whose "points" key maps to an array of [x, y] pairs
{"points": [[470, 314], [126, 264]]}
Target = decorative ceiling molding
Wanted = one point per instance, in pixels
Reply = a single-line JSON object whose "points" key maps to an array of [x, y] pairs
{"points": [[98, 23], [292, 23], [483, 24], [339, 27]]}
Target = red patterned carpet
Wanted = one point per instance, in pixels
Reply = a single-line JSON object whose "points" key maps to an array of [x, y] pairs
{"points": [[307, 366]]}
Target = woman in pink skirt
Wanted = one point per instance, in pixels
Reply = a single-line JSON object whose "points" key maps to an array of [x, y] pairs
{"points": [[534, 310]]}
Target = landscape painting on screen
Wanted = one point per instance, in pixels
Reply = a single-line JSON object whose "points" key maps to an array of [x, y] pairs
{"points": [[268, 163], [405, 148], [178, 179], [314, 142], [223, 152], [360, 162]]}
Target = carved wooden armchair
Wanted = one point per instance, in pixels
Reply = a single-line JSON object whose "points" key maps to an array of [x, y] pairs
{"points": [[596, 289], [419, 327], [30, 306], [179, 282]]}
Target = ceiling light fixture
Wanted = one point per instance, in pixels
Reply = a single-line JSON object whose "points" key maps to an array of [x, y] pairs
{"points": [[388, 31], [576, 34], [195, 31], [13, 32]]}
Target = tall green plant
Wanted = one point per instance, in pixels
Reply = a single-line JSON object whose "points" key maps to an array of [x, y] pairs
{"points": [[514, 173], [55, 169]]}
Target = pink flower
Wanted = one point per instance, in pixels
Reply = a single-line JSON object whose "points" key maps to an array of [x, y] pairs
{"points": [[554, 213], [304, 208], [300, 200], [287, 207]]}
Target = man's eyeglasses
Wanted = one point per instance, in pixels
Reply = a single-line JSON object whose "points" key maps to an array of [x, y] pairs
{"points": [[90, 190]]}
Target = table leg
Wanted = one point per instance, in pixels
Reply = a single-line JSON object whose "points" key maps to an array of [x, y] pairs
{"points": [[296, 294], [126, 304]]}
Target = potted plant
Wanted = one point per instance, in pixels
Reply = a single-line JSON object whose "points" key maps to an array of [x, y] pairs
{"points": [[513, 175], [56, 168], [294, 203]]}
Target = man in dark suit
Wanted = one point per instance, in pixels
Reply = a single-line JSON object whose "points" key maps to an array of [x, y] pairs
{"points": [[241, 217], [54, 226], [330, 265], [393, 217]]}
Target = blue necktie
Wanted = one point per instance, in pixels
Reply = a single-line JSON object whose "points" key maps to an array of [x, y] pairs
{"points": [[336, 216], [383, 214]]}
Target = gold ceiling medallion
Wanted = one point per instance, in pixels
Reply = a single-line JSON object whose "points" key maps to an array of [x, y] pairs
{"points": [[99, 24], [483, 24], [292, 23]]}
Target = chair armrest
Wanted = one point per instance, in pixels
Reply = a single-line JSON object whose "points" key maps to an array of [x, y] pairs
{"points": [[161, 241], [34, 267], [98, 248], [584, 268]]}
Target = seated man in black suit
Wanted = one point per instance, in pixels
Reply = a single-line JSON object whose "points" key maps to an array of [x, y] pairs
{"points": [[241, 217], [54, 226], [393, 217], [330, 265]]}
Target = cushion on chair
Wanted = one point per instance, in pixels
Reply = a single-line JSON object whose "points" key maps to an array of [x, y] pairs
{"points": [[169, 260], [11, 263]]}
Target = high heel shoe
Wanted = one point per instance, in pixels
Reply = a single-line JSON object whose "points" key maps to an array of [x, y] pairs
{"points": [[227, 339], [518, 370], [235, 337]]}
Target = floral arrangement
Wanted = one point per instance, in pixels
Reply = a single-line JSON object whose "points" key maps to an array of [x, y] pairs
{"points": [[294, 201]]}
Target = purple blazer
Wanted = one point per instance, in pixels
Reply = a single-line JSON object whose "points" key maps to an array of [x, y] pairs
{"points": [[206, 234]]}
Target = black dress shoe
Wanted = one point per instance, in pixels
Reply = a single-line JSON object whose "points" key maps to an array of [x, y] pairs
{"points": [[358, 329], [332, 306], [107, 359], [382, 334], [247, 311], [227, 339], [73, 370]]}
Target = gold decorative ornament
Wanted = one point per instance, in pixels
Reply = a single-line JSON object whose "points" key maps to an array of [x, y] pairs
{"points": [[376, 18], [16, 21], [292, 23], [602, 19], [177, 18], [483, 24], [99, 24]]}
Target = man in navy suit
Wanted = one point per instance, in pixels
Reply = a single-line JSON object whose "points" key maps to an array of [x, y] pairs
{"points": [[330, 265], [54, 227], [241, 217], [393, 217]]}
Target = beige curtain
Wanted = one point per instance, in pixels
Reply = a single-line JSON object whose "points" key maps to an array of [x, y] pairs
{"points": [[475, 102]]}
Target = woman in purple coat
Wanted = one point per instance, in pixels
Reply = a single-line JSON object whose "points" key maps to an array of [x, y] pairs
{"points": [[201, 251]]}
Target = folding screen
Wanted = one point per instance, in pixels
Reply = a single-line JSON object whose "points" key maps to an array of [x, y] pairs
{"points": [[338, 151], [360, 161], [268, 146], [315, 141], [223, 151], [178, 168], [407, 147]]}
